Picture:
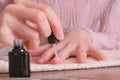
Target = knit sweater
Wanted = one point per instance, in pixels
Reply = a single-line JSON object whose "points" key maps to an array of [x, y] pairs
{"points": [[101, 18]]}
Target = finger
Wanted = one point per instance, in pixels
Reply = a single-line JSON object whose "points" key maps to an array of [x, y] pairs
{"points": [[39, 50], [27, 33], [46, 56], [49, 53], [55, 23], [63, 54], [81, 55], [7, 36], [34, 40], [34, 43], [43, 48], [97, 54], [35, 16], [22, 30]]}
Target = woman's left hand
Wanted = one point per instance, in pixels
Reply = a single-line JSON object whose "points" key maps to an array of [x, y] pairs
{"points": [[76, 43]]}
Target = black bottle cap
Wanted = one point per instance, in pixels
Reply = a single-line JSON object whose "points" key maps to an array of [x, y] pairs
{"points": [[52, 39]]}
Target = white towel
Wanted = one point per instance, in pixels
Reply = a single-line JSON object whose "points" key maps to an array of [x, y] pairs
{"points": [[113, 59]]}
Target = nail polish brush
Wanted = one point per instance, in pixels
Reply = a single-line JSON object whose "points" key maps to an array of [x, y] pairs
{"points": [[53, 40]]}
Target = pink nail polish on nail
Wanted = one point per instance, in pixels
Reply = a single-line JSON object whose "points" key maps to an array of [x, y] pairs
{"points": [[55, 61]]}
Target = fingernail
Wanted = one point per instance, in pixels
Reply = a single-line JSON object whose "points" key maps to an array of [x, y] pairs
{"points": [[55, 61], [103, 59], [82, 61], [60, 35]]}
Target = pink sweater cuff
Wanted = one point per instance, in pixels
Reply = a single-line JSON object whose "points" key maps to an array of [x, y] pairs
{"points": [[94, 38], [102, 41]]}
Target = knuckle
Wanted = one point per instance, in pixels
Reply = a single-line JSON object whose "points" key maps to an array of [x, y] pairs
{"points": [[39, 16], [45, 7], [71, 45]]}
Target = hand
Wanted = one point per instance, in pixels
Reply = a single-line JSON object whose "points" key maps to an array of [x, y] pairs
{"points": [[76, 43], [28, 21]]}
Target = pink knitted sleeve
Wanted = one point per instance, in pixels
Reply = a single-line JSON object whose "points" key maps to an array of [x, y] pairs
{"points": [[104, 41], [110, 39]]}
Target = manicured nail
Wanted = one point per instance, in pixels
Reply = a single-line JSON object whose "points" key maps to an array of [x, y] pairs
{"points": [[55, 61], [82, 61], [60, 35], [103, 59]]}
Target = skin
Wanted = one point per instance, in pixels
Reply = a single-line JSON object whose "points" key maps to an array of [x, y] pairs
{"points": [[28, 21], [81, 47]]}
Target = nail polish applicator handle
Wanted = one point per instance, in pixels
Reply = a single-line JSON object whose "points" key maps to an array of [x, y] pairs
{"points": [[52, 39]]}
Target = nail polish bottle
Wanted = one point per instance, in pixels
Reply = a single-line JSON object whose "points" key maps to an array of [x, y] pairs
{"points": [[19, 61]]}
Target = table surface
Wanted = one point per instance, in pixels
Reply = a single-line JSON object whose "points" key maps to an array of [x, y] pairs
{"points": [[111, 73]]}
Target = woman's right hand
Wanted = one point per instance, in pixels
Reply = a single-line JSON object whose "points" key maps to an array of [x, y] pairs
{"points": [[29, 21]]}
